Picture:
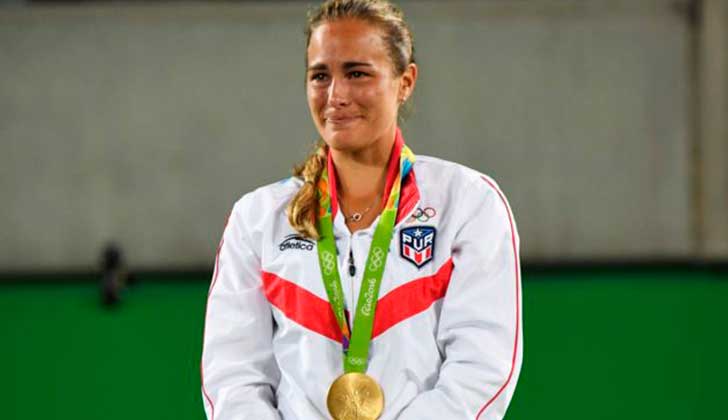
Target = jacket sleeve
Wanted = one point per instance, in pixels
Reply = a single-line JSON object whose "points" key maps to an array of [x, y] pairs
{"points": [[480, 322], [238, 372]]}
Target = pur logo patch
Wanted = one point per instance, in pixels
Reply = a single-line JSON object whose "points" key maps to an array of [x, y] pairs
{"points": [[295, 241], [417, 244]]}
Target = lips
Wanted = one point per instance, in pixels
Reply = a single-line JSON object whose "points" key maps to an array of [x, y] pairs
{"points": [[341, 119]]}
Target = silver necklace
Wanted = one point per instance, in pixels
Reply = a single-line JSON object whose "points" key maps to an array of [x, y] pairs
{"points": [[356, 216]]}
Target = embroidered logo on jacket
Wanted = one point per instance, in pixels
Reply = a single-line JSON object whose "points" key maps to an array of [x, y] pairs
{"points": [[417, 244], [295, 241], [422, 215]]}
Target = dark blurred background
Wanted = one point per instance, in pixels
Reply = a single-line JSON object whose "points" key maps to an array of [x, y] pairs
{"points": [[128, 130]]}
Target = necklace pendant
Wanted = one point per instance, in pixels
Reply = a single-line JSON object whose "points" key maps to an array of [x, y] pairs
{"points": [[356, 217]]}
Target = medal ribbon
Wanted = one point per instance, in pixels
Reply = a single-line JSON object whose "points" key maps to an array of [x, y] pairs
{"points": [[356, 342]]}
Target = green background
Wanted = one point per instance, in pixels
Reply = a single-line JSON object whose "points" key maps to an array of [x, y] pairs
{"points": [[599, 344]]}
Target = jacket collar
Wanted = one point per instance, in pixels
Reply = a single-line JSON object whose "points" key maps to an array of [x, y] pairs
{"points": [[409, 195]]}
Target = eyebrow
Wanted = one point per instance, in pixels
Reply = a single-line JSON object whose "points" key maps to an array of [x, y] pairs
{"points": [[347, 65]]}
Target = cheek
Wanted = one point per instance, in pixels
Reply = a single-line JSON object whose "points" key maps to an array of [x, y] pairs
{"points": [[379, 98], [383, 98], [315, 99]]}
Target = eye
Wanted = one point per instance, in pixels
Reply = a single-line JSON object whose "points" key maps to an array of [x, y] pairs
{"points": [[357, 74], [318, 77]]}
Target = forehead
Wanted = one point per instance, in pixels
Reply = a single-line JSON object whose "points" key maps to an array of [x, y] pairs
{"points": [[346, 40]]}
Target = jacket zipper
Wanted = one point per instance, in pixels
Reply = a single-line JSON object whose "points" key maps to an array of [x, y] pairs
{"points": [[352, 267], [352, 273]]}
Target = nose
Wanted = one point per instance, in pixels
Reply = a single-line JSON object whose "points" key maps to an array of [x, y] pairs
{"points": [[338, 95]]}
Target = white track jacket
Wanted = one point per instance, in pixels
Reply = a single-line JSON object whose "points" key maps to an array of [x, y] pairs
{"points": [[447, 339]]}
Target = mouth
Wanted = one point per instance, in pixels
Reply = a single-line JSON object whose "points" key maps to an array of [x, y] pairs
{"points": [[341, 120]]}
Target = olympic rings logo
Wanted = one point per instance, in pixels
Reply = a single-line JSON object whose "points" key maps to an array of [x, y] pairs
{"points": [[423, 215], [377, 259], [329, 262], [357, 361]]}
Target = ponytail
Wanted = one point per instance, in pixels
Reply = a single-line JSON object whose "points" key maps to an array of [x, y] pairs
{"points": [[303, 208]]}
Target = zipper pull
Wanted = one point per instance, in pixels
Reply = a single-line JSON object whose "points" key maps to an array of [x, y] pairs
{"points": [[352, 268]]}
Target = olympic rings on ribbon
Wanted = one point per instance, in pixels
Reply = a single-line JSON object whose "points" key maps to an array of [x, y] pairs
{"points": [[424, 215], [377, 259], [329, 262]]}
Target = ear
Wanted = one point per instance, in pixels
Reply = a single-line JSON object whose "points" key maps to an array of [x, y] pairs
{"points": [[408, 80]]}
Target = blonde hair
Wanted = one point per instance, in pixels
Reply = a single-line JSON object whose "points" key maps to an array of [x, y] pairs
{"points": [[303, 208]]}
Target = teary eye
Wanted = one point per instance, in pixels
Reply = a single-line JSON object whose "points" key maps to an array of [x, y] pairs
{"points": [[318, 77]]}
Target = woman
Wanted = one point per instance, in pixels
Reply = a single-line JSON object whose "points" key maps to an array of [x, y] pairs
{"points": [[375, 283]]}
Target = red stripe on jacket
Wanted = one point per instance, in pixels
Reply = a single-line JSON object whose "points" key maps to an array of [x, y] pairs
{"points": [[315, 314], [410, 299], [301, 306], [518, 292], [207, 304]]}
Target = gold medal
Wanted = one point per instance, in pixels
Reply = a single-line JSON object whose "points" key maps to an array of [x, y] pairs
{"points": [[355, 396]]}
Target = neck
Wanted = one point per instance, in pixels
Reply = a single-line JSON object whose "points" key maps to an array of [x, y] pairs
{"points": [[362, 175]]}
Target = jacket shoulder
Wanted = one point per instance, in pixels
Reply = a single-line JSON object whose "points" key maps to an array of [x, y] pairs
{"points": [[267, 199], [472, 194], [452, 176]]}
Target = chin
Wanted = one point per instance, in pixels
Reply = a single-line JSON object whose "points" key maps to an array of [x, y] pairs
{"points": [[344, 139]]}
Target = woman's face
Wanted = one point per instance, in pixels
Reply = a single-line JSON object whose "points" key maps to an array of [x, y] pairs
{"points": [[353, 93]]}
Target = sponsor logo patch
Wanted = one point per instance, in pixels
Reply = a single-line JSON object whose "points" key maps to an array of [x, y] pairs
{"points": [[295, 241], [417, 244]]}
